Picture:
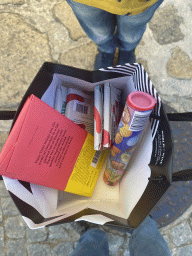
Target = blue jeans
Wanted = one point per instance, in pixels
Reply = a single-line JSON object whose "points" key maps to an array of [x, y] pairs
{"points": [[146, 240], [100, 26]]}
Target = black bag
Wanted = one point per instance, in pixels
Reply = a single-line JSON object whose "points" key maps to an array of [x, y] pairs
{"points": [[25, 197]]}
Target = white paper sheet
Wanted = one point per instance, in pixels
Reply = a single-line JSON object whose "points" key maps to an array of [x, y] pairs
{"points": [[95, 218]]}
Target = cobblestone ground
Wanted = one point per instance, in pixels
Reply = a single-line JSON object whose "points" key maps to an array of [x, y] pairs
{"points": [[33, 32]]}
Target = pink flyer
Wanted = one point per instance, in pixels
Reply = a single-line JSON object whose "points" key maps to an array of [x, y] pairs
{"points": [[98, 117]]}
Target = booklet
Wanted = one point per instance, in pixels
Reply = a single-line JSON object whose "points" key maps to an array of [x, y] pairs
{"points": [[46, 148], [98, 117], [116, 109], [80, 108], [107, 116], [112, 113]]}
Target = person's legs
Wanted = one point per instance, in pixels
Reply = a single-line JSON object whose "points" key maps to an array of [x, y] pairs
{"points": [[92, 243], [130, 29], [146, 240], [99, 25]]}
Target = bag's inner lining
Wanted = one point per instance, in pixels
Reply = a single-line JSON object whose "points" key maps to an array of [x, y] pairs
{"points": [[122, 198]]}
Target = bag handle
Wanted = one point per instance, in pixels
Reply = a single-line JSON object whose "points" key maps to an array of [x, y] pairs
{"points": [[184, 175], [7, 115], [187, 116]]}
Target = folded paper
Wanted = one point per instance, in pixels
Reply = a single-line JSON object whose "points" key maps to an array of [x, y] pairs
{"points": [[46, 148]]}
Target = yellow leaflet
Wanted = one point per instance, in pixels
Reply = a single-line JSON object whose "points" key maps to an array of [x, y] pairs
{"points": [[85, 173]]}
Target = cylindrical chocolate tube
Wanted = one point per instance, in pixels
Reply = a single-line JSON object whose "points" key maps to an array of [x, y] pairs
{"points": [[136, 112]]}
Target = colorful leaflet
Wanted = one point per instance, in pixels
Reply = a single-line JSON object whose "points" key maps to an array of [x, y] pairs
{"points": [[80, 109], [107, 116], [98, 117]]}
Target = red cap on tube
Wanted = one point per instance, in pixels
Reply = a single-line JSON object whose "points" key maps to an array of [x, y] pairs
{"points": [[141, 101]]}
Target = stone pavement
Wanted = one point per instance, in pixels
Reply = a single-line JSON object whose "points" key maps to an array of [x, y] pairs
{"points": [[35, 31]]}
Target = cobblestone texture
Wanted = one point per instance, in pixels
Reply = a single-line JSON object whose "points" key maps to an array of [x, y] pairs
{"points": [[166, 25], [179, 65], [33, 32], [16, 247], [14, 227], [181, 234]]}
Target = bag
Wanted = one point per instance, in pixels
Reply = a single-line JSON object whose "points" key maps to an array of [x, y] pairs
{"points": [[150, 172]]}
